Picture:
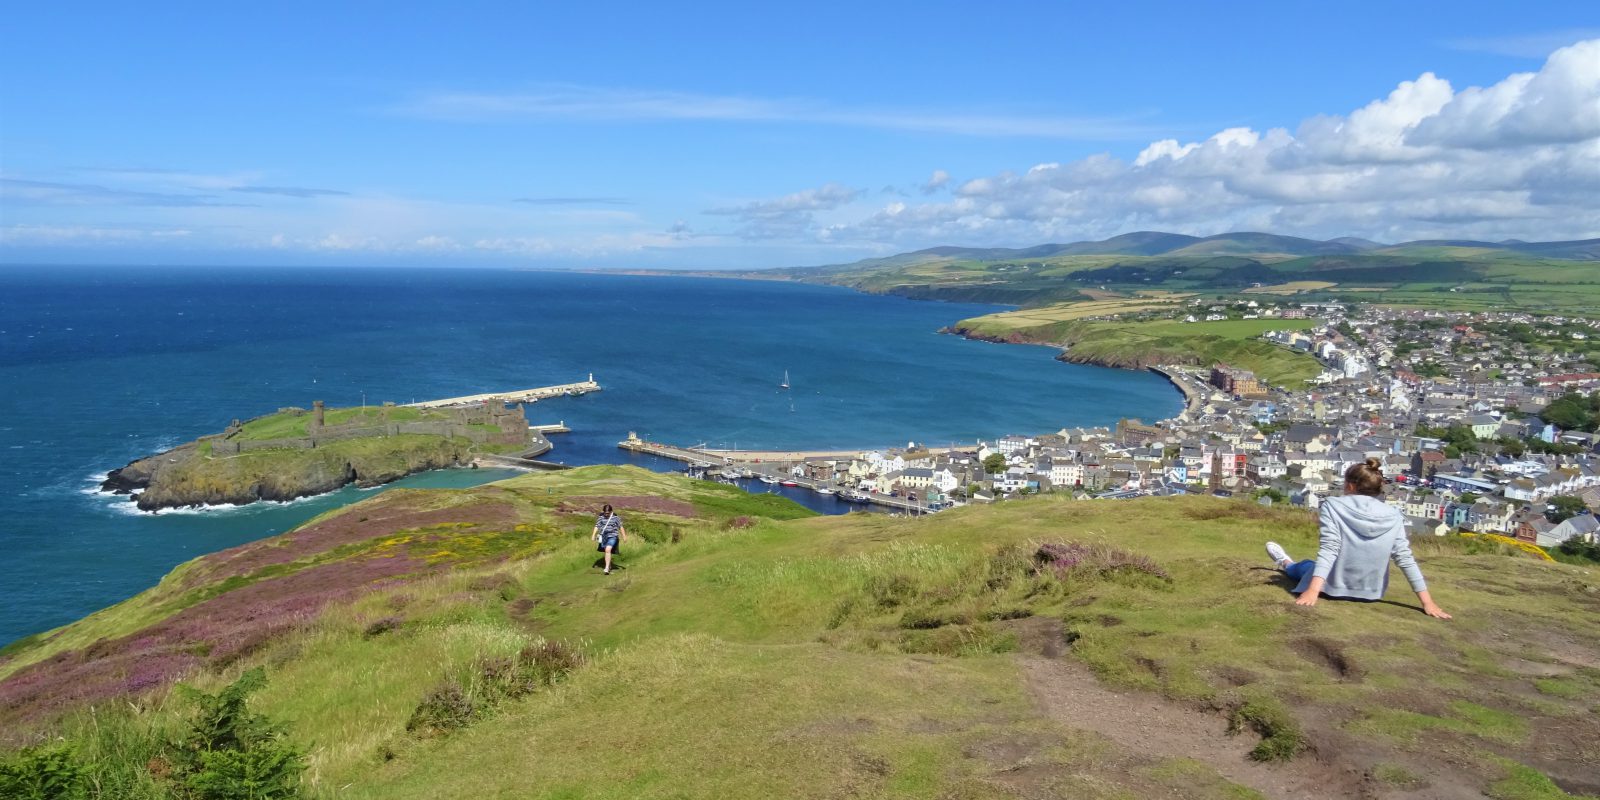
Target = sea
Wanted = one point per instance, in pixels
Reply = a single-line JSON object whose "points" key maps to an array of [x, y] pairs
{"points": [[100, 366]]}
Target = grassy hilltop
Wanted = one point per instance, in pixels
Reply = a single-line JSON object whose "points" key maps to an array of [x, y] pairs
{"points": [[1140, 344], [458, 643]]}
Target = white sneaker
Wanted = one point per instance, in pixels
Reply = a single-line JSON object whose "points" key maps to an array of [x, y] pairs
{"points": [[1278, 556]]}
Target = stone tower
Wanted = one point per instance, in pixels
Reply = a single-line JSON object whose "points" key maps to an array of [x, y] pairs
{"points": [[317, 412]]}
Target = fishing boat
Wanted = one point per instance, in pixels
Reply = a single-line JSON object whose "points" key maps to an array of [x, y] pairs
{"points": [[768, 479], [787, 482], [824, 490], [785, 383]]}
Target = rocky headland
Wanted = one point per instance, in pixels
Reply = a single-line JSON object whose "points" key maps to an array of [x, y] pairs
{"points": [[184, 477], [298, 453]]}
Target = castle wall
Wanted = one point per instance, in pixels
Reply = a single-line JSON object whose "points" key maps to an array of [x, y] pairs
{"points": [[511, 423]]}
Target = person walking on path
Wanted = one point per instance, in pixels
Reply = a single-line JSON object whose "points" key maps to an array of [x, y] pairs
{"points": [[608, 532], [1360, 536]]}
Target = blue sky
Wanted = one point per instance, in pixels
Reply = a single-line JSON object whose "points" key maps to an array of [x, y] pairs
{"points": [[732, 135]]}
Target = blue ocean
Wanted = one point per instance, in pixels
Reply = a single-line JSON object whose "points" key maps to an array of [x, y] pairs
{"points": [[100, 366]]}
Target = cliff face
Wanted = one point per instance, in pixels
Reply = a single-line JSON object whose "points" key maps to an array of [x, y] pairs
{"points": [[187, 476]]}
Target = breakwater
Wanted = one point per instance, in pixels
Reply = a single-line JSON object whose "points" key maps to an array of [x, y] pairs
{"points": [[516, 395]]}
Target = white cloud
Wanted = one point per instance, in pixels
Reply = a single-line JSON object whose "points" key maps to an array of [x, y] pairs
{"points": [[608, 104], [935, 182], [1525, 45], [788, 216], [1558, 104], [1166, 148], [1517, 159], [33, 235]]}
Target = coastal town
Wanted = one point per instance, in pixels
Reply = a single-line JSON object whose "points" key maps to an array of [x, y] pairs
{"points": [[1484, 423]]}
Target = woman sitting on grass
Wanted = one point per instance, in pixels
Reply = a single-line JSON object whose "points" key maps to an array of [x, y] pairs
{"points": [[1360, 534]]}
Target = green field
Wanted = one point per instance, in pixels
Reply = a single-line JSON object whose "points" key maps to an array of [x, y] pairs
{"points": [[751, 649], [290, 425], [1146, 343]]}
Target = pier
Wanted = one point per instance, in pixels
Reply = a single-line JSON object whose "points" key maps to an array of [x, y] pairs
{"points": [[516, 396], [492, 460]]}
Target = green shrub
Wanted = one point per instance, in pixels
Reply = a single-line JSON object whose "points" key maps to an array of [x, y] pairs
{"points": [[458, 703], [229, 753], [540, 664], [442, 710], [48, 773], [1280, 735]]}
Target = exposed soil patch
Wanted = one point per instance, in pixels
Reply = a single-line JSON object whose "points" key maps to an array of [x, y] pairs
{"points": [[1325, 653], [1040, 636], [1236, 676], [1150, 726], [1568, 751]]}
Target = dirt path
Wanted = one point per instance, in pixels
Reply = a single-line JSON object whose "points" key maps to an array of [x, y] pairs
{"points": [[1147, 725]]}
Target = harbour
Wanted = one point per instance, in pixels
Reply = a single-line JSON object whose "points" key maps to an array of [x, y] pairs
{"points": [[743, 468]]}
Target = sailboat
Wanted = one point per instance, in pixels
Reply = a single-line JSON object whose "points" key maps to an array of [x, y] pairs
{"points": [[785, 383]]}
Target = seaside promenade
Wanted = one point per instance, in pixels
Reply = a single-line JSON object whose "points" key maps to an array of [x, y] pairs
{"points": [[1195, 391]]}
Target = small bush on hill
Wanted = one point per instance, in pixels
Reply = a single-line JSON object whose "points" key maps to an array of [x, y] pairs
{"points": [[458, 703], [1280, 734], [381, 626], [48, 773], [1074, 559], [442, 710], [229, 753], [1581, 549], [541, 664]]}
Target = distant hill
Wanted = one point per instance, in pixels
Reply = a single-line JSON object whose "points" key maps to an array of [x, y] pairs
{"points": [[1442, 273], [1156, 243]]}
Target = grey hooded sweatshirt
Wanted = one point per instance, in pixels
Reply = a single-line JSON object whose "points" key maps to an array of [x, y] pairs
{"points": [[1360, 534]]}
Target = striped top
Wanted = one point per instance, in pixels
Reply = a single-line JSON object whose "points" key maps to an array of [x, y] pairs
{"points": [[608, 526]]}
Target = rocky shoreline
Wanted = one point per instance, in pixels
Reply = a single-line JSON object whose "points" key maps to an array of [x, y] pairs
{"points": [[183, 477], [1133, 361], [1159, 363]]}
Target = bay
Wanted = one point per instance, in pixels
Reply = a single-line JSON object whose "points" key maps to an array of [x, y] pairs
{"points": [[99, 366]]}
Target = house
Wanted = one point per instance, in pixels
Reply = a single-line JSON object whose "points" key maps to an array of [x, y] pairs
{"points": [[1417, 526], [1065, 472], [1310, 438], [1583, 527], [1426, 462], [1462, 483], [1528, 525], [1483, 426]]}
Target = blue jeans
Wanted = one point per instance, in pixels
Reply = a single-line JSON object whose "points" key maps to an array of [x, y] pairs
{"points": [[1299, 569]]}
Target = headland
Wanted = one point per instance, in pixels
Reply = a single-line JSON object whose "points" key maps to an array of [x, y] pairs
{"points": [[297, 452]]}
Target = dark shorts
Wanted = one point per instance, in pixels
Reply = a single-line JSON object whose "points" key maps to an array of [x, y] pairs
{"points": [[607, 541]]}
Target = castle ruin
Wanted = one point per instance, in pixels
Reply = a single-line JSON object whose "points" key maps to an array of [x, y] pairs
{"points": [[489, 422]]}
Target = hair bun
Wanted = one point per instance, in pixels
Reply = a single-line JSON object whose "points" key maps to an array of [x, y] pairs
{"points": [[1374, 463]]}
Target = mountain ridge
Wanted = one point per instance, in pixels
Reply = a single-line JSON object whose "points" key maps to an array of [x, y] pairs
{"points": [[1159, 243]]}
